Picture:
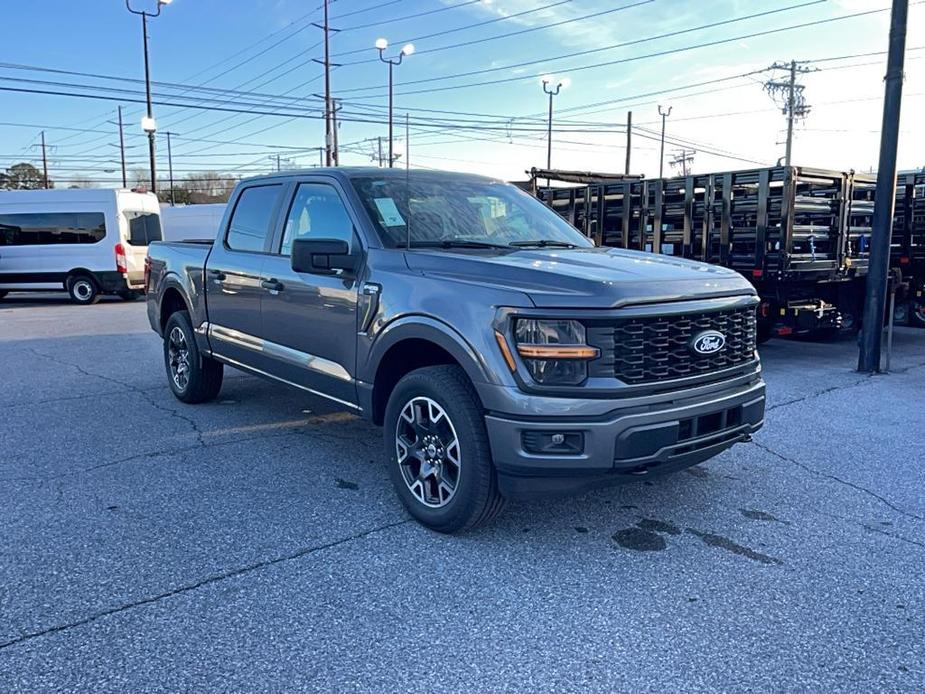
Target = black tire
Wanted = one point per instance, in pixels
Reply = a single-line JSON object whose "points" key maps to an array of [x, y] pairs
{"points": [[3, 293], [129, 295], [917, 314], [475, 498], [201, 379], [83, 289]]}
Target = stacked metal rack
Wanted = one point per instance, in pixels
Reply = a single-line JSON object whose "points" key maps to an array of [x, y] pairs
{"points": [[907, 248], [800, 234]]}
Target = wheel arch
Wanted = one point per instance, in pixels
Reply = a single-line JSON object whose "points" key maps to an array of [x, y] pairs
{"points": [[409, 344]]}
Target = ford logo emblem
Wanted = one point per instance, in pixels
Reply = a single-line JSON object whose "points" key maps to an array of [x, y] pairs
{"points": [[708, 342]]}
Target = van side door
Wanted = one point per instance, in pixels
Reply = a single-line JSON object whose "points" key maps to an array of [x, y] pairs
{"points": [[233, 276], [310, 320]]}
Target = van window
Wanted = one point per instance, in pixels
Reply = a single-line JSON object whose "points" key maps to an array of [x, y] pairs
{"points": [[250, 222], [143, 227], [51, 228]]}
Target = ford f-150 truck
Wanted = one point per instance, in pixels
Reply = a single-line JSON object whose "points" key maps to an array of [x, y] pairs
{"points": [[504, 355]]}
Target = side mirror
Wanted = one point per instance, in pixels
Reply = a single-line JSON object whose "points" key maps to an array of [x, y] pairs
{"points": [[322, 256]]}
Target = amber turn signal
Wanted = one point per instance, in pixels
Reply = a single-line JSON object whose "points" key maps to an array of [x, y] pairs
{"points": [[557, 352], [506, 352]]}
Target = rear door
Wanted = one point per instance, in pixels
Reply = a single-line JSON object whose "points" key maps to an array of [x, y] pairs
{"points": [[310, 320], [233, 276], [138, 219]]}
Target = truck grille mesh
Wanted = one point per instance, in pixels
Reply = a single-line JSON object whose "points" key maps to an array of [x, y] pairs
{"points": [[658, 348]]}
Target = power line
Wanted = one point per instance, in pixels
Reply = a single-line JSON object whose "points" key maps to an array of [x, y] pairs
{"points": [[624, 44]]}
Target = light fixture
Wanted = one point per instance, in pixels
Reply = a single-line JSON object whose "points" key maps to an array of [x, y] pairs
{"points": [[382, 44], [546, 79], [148, 124], [565, 83], [408, 49]]}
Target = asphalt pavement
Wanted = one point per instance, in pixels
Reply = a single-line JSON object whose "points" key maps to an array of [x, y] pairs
{"points": [[254, 543]]}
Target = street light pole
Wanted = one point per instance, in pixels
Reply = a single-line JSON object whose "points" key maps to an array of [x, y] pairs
{"points": [[122, 150], [408, 49], [547, 80], [148, 123], [661, 156]]}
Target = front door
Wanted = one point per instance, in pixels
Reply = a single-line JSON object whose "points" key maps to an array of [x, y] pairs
{"points": [[233, 277], [310, 320]]}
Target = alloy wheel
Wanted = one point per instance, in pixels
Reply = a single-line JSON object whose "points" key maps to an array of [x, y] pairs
{"points": [[178, 357], [428, 452]]}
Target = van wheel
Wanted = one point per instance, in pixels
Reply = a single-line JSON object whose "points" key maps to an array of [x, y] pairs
{"points": [[437, 449], [83, 289], [193, 377], [129, 295]]}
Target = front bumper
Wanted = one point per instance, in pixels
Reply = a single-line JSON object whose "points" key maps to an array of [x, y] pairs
{"points": [[624, 444]]}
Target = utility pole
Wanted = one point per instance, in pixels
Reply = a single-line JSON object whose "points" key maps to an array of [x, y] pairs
{"points": [[279, 165], [122, 149], [44, 163], [878, 269], [336, 153], [328, 135], [629, 139], [685, 160], [790, 95], [407, 144], [380, 150], [170, 166], [661, 156]]}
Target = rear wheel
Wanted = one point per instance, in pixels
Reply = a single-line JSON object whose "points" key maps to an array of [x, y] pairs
{"points": [[917, 314], [83, 289], [192, 376], [438, 453]]}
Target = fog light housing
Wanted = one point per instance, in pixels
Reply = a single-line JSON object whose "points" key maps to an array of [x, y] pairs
{"points": [[553, 442]]}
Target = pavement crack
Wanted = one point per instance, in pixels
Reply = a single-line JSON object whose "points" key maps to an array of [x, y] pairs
{"points": [[209, 580], [131, 388], [852, 485], [819, 393]]}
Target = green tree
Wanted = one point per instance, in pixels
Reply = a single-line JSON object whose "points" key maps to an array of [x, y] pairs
{"points": [[23, 176]]}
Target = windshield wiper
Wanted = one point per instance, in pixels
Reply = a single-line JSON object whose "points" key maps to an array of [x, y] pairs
{"points": [[543, 243], [456, 243]]}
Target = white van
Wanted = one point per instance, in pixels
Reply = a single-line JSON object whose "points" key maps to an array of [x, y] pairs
{"points": [[86, 241], [185, 222]]}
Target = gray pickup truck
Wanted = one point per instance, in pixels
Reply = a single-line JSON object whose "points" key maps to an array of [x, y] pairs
{"points": [[503, 353]]}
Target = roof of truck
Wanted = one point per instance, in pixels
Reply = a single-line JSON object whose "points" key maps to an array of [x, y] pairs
{"points": [[345, 172]]}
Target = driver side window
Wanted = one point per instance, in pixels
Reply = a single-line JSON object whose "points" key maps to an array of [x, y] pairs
{"points": [[317, 212]]}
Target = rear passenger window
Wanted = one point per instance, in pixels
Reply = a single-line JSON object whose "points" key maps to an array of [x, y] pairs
{"points": [[51, 228], [250, 222]]}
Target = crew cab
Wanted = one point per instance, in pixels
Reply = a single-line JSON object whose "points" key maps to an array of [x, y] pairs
{"points": [[504, 355]]}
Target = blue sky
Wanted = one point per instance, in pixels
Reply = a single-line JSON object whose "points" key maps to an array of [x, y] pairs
{"points": [[730, 124]]}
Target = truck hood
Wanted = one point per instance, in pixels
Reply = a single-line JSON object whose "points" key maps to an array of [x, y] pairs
{"points": [[582, 277]]}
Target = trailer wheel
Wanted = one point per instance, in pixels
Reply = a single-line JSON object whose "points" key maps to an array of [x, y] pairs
{"points": [[917, 314], [83, 289], [902, 313]]}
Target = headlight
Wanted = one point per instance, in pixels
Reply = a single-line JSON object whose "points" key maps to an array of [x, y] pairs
{"points": [[555, 351]]}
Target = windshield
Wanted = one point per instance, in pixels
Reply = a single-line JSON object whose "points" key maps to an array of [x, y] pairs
{"points": [[443, 211]]}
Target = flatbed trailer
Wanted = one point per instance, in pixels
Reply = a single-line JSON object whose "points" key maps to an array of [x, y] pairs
{"points": [[801, 235], [907, 247]]}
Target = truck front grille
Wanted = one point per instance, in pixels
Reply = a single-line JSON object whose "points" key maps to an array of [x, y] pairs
{"points": [[651, 349]]}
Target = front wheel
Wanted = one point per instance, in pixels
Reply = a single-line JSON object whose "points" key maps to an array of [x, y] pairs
{"points": [[437, 450], [193, 377], [917, 314]]}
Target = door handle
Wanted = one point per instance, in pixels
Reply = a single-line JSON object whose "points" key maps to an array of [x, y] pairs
{"points": [[272, 285], [217, 275]]}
